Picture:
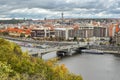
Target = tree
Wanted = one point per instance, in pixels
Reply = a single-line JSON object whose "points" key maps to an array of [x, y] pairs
{"points": [[28, 36], [5, 33], [22, 35], [75, 38], [19, 65], [110, 40], [51, 38], [82, 40]]}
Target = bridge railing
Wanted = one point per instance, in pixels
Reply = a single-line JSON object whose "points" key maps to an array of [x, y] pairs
{"points": [[47, 50]]}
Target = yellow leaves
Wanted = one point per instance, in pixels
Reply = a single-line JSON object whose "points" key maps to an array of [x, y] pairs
{"points": [[62, 73], [25, 55], [52, 62], [5, 69], [60, 68], [33, 60], [63, 68], [49, 63]]}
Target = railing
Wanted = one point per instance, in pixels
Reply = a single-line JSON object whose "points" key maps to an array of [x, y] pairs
{"points": [[111, 49]]}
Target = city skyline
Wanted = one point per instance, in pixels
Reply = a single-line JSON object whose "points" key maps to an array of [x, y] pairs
{"points": [[52, 9]]}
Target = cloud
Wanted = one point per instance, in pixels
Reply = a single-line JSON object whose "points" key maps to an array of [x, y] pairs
{"points": [[53, 8]]}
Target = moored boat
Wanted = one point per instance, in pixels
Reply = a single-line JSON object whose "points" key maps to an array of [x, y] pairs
{"points": [[95, 51]]}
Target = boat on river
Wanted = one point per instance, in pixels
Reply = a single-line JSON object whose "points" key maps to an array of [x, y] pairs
{"points": [[94, 51]]}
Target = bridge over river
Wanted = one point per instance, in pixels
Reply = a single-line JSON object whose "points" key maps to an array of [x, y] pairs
{"points": [[67, 47]]}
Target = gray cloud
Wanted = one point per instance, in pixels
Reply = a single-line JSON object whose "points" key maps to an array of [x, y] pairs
{"points": [[53, 8]]}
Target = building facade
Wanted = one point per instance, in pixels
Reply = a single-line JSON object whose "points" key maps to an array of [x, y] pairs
{"points": [[99, 32], [42, 33]]}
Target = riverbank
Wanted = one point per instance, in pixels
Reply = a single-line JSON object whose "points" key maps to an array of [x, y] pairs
{"points": [[111, 52]]}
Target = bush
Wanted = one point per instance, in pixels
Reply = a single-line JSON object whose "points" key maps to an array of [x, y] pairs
{"points": [[4, 33], [82, 40], [22, 35], [118, 44]]}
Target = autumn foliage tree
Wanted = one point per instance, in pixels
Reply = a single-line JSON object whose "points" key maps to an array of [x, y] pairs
{"points": [[18, 65]]}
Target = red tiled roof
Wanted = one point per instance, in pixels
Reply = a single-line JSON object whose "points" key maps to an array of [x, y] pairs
{"points": [[2, 30], [76, 26], [26, 31], [50, 26]]}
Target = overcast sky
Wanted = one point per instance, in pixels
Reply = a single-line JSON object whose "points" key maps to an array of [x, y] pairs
{"points": [[39, 9]]}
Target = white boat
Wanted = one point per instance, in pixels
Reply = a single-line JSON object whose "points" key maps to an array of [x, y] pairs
{"points": [[95, 51], [71, 52]]}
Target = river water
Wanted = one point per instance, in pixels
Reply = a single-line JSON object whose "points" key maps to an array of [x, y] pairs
{"points": [[91, 66]]}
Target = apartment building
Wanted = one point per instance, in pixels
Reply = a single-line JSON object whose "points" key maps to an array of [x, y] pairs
{"points": [[80, 31], [43, 32], [99, 32], [86, 30]]}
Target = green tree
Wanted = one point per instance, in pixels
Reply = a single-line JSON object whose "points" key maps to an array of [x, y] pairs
{"points": [[28, 36], [110, 40], [22, 35], [75, 38], [5, 33]]}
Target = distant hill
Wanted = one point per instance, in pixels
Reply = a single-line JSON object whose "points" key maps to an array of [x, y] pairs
{"points": [[12, 21]]}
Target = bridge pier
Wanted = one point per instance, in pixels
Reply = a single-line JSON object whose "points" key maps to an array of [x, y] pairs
{"points": [[88, 46], [66, 52], [39, 55], [118, 50], [70, 51], [61, 53]]}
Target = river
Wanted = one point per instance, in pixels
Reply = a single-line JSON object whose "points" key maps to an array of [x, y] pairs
{"points": [[91, 66]]}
